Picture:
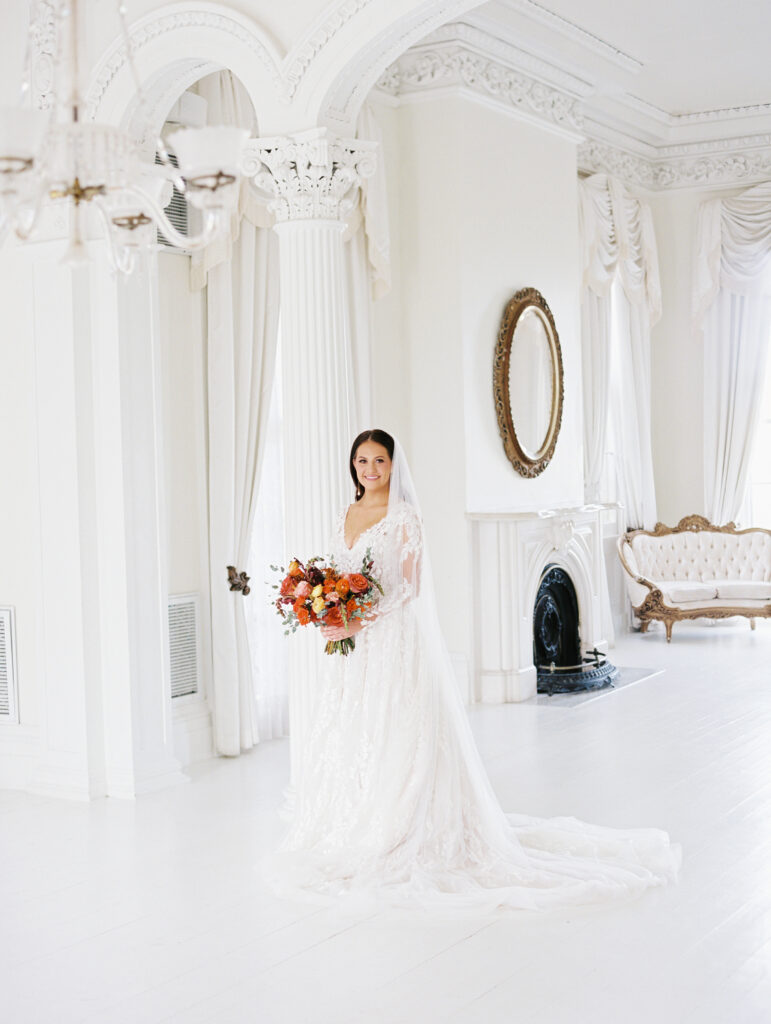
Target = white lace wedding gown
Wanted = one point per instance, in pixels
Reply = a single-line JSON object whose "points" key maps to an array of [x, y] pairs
{"points": [[393, 801]]}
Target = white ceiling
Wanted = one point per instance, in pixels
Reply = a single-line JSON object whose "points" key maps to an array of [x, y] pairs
{"points": [[680, 57]]}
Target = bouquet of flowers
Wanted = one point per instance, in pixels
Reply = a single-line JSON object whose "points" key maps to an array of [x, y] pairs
{"points": [[321, 595]]}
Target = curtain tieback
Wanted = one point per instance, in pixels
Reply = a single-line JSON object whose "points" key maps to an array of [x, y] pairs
{"points": [[238, 580]]}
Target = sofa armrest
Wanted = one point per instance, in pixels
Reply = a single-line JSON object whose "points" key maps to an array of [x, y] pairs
{"points": [[638, 587]]}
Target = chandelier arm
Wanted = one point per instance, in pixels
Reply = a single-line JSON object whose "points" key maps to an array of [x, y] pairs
{"points": [[167, 229], [24, 233], [122, 259]]}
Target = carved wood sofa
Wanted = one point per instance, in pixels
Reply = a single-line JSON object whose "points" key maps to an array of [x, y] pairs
{"points": [[696, 570]]}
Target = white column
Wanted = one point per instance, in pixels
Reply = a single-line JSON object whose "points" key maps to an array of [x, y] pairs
{"points": [[315, 180], [106, 700]]}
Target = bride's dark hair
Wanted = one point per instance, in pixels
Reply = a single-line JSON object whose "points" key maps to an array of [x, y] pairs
{"points": [[379, 437]]}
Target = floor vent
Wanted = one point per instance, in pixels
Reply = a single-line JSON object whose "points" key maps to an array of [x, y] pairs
{"points": [[183, 645], [8, 694]]}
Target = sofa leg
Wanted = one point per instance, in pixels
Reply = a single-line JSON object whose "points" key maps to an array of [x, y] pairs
{"points": [[669, 624], [644, 623], [752, 623]]}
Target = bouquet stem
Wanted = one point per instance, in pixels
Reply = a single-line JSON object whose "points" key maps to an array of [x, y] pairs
{"points": [[343, 647]]}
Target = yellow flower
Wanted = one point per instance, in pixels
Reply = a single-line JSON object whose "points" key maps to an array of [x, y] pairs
{"points": [[319, 604], [317, 591]]}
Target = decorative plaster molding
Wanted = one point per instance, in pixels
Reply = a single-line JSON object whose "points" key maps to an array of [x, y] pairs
{"points": [[696, 169], [314, 175], [166, 21], [300, 59], [42, 32], [485, 44], [450, 65], [699, 117]]}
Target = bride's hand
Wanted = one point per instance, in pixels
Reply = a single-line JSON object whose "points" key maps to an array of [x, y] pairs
{"points": [[342, 632]]}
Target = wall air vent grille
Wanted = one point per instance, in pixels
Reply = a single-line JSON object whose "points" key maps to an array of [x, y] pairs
{"points": [[176, 211], [183, 645], [8, 694]]}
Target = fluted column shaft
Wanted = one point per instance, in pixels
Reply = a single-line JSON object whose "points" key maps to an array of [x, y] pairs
{"points": [[314, 178]]}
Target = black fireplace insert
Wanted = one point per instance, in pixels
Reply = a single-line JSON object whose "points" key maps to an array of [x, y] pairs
{"points": [[557, 654]]}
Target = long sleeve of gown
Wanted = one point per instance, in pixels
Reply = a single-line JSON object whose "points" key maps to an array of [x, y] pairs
{"points": [[401, 582]]}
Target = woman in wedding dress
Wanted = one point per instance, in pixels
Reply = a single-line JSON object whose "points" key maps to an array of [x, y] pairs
{"points": [[393, 802]]}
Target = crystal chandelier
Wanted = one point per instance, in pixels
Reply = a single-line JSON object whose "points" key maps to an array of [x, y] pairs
{"points": [[60, 158]]}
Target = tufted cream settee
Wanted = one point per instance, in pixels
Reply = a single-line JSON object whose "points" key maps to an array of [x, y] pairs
{"points": [[696, 570]]}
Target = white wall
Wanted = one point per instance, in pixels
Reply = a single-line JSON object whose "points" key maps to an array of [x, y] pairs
{"points": [[182, 315], [519, 229], [20, 575], [486, 205], [182, 326]]}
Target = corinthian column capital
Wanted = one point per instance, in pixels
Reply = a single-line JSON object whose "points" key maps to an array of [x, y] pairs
{"points": [[312, 175]]}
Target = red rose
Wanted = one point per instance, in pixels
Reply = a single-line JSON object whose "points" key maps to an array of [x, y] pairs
{"points": [[333, 617]]}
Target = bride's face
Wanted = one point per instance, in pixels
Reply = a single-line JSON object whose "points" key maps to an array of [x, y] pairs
{"points": [[373, 467]]}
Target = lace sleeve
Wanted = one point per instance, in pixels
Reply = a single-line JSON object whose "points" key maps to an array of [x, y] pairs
{"points": [[402, 575]]}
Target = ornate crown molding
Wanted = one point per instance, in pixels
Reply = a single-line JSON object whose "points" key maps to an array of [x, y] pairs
{"points": [[313, 175], [300, 59], [166, 21], [484, 43], [449, 64], [698, 168]]}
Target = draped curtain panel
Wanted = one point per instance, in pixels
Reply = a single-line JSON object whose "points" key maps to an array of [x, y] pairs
{"points": [[621, 300], [241, 273], [732, 307]]}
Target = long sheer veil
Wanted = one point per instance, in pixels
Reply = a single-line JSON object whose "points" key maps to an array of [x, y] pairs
{"points": [[419, 586]]}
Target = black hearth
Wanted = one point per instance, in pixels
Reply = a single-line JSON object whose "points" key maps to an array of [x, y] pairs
{"points": [[556, 641]]}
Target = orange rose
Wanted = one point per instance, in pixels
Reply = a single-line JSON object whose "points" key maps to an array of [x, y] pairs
{"points": [[334, 617], [342, 586], [294, 568], [303, 616], [358, 582], [350, 608], [287, 587], [328, 585]]}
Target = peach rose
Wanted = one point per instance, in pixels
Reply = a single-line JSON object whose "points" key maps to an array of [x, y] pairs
{"points": [[358, 583], [302, 589]]}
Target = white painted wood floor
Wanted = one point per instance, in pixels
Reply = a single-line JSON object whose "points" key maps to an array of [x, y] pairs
{"points": [[145, 912]]}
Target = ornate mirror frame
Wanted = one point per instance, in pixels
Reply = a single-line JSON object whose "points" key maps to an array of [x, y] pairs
{"points": [[526, 465]]}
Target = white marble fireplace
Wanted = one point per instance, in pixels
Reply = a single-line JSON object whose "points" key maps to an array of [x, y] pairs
{"points": [[510, 552]]}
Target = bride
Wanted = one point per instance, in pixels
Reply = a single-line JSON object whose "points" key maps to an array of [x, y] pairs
{"points": [[393, 801]]}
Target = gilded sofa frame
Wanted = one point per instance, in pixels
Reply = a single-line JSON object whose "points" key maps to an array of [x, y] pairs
{"points": [[654, 607]]}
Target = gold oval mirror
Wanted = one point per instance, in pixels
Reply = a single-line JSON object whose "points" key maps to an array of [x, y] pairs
{"points": [[527, 382]]}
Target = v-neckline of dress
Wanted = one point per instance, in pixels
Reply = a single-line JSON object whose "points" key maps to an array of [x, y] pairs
{"points": [[363, 532]]}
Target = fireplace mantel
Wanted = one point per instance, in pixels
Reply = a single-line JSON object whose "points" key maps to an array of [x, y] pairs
{"points": [[510, 551]]}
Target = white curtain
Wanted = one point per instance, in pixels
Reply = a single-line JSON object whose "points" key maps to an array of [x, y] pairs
{"points": [[732, 305], [621, 300], [241, 273]]}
